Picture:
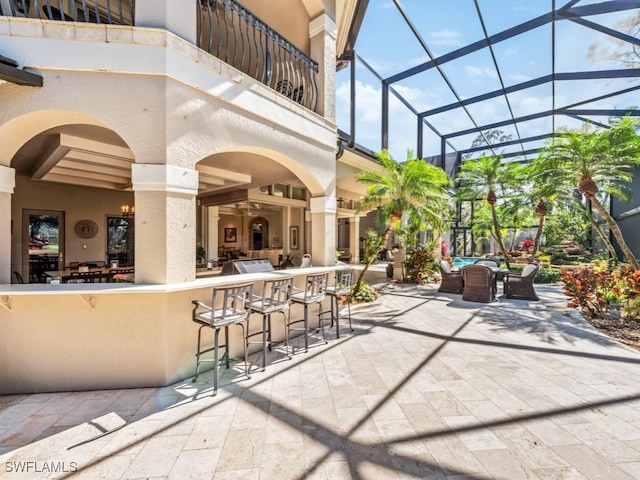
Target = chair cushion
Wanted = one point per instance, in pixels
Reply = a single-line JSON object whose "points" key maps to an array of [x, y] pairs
{"points": [[445, 266], [528, 270]]}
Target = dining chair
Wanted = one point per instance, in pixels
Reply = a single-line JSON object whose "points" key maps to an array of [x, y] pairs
{"points": [[478, 283], [340, 290], [521, 286], [85, 277], [488, 263], [276, 298], [230, 306], [451, 281], [313, 293]]}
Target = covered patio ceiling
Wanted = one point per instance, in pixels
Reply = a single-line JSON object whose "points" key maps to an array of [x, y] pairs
{"points": [[452, 80]]}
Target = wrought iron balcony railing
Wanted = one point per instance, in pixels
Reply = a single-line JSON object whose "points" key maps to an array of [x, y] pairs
{"points": [[112, 12], [236, 36]]}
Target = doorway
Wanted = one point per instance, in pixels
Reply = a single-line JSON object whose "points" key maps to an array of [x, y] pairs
{"points": [[259, 233], [120, 241], [43, 243]]}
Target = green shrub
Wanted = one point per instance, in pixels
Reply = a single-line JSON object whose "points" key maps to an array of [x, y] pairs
{"points": [[365, 293]]}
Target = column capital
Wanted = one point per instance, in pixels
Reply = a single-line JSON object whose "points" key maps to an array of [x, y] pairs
{"points": [[323, 205], [7, 179], [322, 23], [164, 178]]}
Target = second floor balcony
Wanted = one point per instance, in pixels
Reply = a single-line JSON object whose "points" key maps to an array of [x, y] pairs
{"points": [[224, 28]]}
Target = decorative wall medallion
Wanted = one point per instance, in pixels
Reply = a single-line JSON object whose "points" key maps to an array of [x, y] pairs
{"points": [[86, 228]]}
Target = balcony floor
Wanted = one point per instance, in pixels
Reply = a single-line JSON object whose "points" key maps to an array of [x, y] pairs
{"points": [[428, 386]]}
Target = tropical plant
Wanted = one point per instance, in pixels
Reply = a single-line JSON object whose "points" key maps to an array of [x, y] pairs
{"points": [[487, 176], [413, 190], [597, 161], [420, 263], [372, 245]]}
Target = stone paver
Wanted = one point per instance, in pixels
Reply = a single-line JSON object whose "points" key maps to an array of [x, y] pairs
{"points": [[427, 386]]}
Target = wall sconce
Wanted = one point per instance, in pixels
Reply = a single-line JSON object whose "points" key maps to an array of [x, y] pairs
{"points": [[128, 211]]}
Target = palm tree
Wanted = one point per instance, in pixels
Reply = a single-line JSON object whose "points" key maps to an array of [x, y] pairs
{"points": [[598, 161], [413, 190], [483, 177]]}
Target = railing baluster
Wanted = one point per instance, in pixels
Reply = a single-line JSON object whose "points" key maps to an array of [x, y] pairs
{"points": [[95, 12], [278, 64]]}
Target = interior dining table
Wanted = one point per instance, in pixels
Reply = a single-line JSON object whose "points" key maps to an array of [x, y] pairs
{"points": [[64, 275]]}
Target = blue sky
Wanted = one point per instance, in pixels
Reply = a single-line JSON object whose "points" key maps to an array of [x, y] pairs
{"points": [[386, 43]]}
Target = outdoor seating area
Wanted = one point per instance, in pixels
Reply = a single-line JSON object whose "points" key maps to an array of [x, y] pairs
{"points": [[478, 281], [442, 405]]}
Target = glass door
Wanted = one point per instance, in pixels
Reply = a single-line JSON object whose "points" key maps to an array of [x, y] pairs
{"points": [[120, 247], [43, 246]]}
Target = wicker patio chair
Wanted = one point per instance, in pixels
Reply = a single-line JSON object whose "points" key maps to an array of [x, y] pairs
{"points": [[521, 286], [488, 263], [478, 283], [451, 281]]}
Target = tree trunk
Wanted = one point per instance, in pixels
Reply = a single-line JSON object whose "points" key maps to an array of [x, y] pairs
{"points": [[385, 237], [536, 241], [613, 227], [496, 227], [605, 239]]}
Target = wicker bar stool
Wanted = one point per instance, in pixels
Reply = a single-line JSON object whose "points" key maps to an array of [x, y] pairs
{"points": [[313, 293], [276, 298], [229, 306]]}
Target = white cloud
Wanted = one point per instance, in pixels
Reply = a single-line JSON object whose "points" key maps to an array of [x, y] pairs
{"points": [[479, 72], [518, 77], [446, 37]]}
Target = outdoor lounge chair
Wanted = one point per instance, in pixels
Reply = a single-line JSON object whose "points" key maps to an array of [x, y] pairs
{"points": [[478, 283], [451, 281], [521, 286]]}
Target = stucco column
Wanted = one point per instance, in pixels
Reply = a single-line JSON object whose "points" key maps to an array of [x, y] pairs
{"points": [[165, 222], [176, 16], [323, 231], [322, 32], [7, 184], [354, 239], [212, 231]]}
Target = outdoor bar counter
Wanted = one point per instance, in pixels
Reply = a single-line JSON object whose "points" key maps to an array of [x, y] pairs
{"points": [[112, 335]]}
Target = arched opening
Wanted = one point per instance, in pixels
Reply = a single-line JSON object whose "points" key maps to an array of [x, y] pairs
{"points": [[72, 182]]}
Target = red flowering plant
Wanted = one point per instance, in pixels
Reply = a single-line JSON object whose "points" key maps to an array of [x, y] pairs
{"points": [[594, 289], [527, 245]]}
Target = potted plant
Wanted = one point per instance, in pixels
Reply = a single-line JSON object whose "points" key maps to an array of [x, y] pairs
{"points": [[389, 270]]}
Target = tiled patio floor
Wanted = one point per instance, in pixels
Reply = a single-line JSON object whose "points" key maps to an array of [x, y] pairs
{"points": [[428, 386]]}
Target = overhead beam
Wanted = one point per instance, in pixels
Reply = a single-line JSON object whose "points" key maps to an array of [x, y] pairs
{"points": [[473, 47], [15, 75], [508, 143], [600, 74]]}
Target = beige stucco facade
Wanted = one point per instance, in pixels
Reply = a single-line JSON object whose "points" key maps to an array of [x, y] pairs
{"points": [[139, 115]]}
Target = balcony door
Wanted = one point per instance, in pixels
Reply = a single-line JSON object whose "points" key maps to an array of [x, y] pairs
{"points": [[43, 244]]}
